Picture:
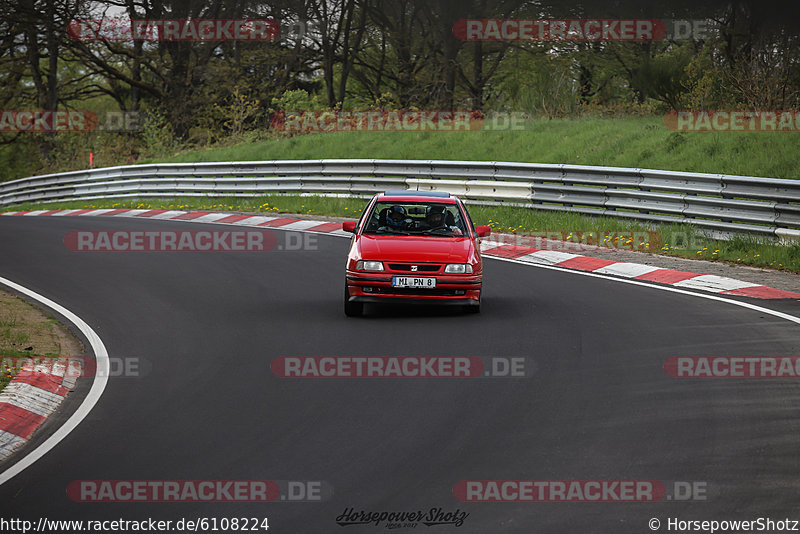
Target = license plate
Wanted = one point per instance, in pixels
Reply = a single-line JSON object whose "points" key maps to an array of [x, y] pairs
{"points": [[413, 281]]}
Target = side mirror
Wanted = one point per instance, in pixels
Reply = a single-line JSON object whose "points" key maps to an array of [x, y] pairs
{"points": [[483, 231], [349, 226]]}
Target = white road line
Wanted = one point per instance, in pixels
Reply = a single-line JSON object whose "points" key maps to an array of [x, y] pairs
{"points": [[98, 385], [660, 287]]}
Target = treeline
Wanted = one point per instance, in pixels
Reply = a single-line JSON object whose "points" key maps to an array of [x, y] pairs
{"points": [[370, 54]]}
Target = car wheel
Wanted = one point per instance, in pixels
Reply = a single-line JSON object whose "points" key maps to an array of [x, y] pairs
{"points": [[473, 308], [352, 309]]}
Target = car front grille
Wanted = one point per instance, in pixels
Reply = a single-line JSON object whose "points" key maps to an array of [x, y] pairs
{"points": [[406, 267]]}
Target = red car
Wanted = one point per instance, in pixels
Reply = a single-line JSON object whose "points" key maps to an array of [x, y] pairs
{"points": [[414, 247]]}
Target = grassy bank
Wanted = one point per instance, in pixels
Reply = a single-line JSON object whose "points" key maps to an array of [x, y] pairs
{"points": [[676, 240], [27, 332], [642, 142]]}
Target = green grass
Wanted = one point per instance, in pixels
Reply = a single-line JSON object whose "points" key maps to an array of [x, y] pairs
{"points": [[8, 335], [17, 330], [669, 239], [641, 142]]}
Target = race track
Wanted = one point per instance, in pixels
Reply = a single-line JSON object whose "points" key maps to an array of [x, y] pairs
{"points": [[598, 406]]}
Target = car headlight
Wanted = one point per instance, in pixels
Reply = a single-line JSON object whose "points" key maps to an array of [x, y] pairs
{"points": [[369, 266], [458, 268]]}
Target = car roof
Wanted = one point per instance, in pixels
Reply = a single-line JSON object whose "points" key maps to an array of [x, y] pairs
{"points": [[411, 195]]}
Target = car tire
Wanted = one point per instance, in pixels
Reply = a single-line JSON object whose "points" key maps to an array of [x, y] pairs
{"points": [[473, 308], [352, 309]]}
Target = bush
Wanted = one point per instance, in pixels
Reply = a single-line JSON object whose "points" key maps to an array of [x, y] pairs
{"points": [[157, 134]]}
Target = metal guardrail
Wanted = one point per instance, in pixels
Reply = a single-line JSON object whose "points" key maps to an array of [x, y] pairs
{"points": [[722, 203]]}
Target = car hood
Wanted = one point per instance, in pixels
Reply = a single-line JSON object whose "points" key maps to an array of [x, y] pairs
{"points": [[415, 248]]}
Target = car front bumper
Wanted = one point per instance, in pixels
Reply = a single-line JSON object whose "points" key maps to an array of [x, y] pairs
{"points": [[377, 287]]}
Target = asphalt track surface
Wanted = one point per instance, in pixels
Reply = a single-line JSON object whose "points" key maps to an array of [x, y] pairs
{"points": [[598, 406]]}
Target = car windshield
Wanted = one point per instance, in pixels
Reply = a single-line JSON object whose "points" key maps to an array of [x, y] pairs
{"points": [[434, 219]]}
